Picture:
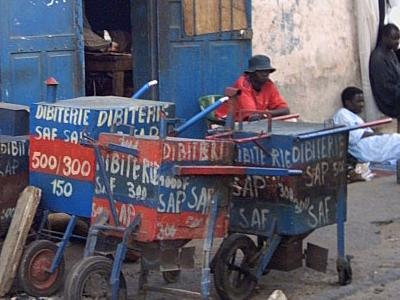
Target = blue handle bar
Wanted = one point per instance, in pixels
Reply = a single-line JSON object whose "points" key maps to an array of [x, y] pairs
{"points": [[143, 89], [200, 115]]}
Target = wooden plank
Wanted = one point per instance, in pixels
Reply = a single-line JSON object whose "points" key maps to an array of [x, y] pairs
{"points": [[16, 237]]}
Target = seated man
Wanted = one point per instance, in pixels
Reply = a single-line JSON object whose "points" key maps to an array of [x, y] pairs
{"points": [[364, 144], [258, 92]]}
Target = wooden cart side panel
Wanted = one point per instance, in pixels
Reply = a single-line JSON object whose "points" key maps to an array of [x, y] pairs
{"points": [[13, 176], [174, 207]]}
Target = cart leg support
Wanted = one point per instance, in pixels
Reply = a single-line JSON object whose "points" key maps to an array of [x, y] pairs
{"points": [[120, 256], [205, 273], [343, 264], [269, 250], [266, 258], [340, 225], [91, 240], [63, 244]]}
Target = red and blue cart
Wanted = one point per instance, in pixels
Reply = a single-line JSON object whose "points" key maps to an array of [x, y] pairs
{"points": [[157, 194]]}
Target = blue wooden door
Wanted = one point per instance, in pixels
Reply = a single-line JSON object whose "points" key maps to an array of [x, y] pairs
{"points": [[203, 46], [194, 47], [39, 39]]}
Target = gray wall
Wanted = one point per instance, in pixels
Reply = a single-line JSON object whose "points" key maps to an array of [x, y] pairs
{"points": [[313, 45]]}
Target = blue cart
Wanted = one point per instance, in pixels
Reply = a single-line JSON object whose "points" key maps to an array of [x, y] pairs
{"points": [[65, 171], [279, 212]]}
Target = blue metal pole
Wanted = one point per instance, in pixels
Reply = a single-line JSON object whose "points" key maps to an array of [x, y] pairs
{"points": [[341, 210], [200, 115], [272, 171], [266, 257], [143, 89], [61, 248], [120, 256], [106, 183], [205, 272], [342, 129]]}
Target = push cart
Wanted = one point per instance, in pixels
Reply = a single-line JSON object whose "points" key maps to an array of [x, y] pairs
{"points": [[157, 194], [65, 171], [279, 212]]}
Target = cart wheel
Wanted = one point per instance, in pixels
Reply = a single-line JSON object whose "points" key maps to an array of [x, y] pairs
{"points": [[231, 279], [343, 266], [90, 279], [171, 276], [33, 274]]}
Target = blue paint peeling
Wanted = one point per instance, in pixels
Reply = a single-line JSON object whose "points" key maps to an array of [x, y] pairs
{"points": [[290, 41]]}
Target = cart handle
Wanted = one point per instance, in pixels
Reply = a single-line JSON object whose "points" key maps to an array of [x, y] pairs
{"points": [[286, 117], [344, 129], [199, 116], [262, 135], [233, 170], [144, 88], [227, 135]]}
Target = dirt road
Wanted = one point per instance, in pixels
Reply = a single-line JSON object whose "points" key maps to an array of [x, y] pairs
{"points": [[372, 238]]}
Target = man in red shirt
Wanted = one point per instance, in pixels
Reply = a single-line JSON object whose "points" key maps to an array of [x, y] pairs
{"points": [[258, 92]]}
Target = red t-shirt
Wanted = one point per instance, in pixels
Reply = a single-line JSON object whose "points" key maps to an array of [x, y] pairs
{"points": [[268, 98]]}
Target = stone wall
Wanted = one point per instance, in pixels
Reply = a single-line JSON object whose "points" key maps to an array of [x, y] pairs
{"points": [[313, 45]]}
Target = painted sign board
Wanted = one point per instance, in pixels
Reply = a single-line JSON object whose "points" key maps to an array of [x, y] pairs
{"points": [[172, 207], [299, 204], [13, 175], [60, 165]]}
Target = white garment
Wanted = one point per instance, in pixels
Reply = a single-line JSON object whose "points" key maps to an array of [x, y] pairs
{"points": [[377, 148], [393, 12], [367, 13], [394, 16]]}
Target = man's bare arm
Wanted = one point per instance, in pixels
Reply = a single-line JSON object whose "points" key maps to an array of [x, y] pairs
{"points": [[279, 112]]}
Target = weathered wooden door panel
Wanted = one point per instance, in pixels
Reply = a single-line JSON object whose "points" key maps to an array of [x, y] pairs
{"points": [[39, 39], [203, 46], [185, 76], [227, 58]]}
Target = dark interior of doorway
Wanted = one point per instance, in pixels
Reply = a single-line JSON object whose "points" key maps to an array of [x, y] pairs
{"points": [[114, 17]]}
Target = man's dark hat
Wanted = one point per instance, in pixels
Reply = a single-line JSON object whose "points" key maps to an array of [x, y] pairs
{"points": [[260, 63]]}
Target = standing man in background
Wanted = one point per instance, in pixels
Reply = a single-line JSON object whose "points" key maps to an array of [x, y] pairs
{"points": [[384, 72]]}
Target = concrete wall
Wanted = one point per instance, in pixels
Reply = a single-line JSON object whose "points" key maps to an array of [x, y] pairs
{"points": [[313, 45]]}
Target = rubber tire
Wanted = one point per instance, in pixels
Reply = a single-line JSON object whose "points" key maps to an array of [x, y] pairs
{"points": [[26, 279], [171, 276], [222, 284], [345, 273], [81, 271]]}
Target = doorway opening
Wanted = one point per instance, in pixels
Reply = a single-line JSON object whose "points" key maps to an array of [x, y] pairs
{"points": [[107, 34]]}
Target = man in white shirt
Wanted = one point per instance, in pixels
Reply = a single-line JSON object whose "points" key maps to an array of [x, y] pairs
{"points": [[365, 144]]}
